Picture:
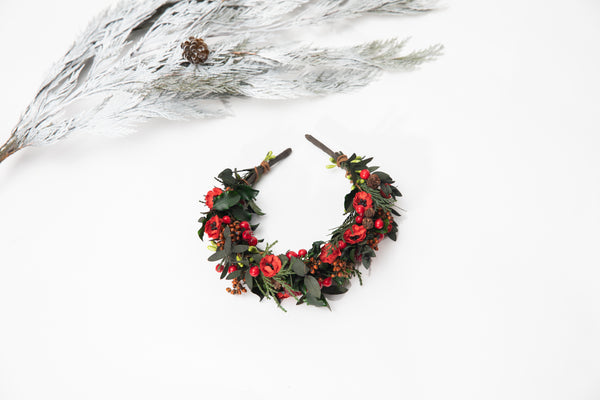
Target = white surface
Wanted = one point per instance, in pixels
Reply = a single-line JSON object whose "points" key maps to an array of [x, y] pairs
{"points": [[491, 292]]}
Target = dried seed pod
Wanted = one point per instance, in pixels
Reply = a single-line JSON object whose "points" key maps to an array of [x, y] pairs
{"points": [[368, 223], [373, 181], [195, 50]]}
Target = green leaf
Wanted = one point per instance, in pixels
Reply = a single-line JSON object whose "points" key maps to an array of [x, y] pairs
{"points": [[395, 212], [334, 290], [219, 255], [240, 248], [227, 246], [301, 300], [249, 280], [316, 247], [368, 251], [246, 192], [234, 274], [239, 213], [257, 257], [226, 200], [312, 286], [348, 200], [226, 176], [392, 235], [201, 233], [223, 273], [255, 208], [314, 301], [298, 267], [366, 261], [385, 178]]}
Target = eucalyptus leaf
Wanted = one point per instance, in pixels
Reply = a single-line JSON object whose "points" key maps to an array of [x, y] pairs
{"points": [[299, 267], [219, 255], [227, 246], [235, 274], [240, 248], [249, 280], [312, 286]]}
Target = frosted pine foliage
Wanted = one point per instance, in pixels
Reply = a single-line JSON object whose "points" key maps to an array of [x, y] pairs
{"points": [[128, 67]]}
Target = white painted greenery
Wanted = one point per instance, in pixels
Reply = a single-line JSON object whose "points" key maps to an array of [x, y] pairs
{"points": [[127, 66]]}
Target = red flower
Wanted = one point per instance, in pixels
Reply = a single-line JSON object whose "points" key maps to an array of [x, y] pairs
{"points": [[270, 265], [329, 253], [362, 199], [285, 294], [213, 227], [209, 198], [355, 234]]}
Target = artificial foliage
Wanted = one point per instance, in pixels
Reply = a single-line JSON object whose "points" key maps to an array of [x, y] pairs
{"points": [[311, 274]]}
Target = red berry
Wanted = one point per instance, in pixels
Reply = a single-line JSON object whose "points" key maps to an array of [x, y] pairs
{"points": [[341, 245], [302, 252], [226, 219], [360, 210], [378, 223], [247, 235], [291, 254], [381, 236], [231, 269], [219, 268], [327, 281], [253, 241], [245, 225], [254, 271], [359, 219], [364, 174]]}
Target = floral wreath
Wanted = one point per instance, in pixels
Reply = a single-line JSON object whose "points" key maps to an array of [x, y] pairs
{"points": [[306, 275]]}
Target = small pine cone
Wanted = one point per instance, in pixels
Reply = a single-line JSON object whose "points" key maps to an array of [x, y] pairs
{"points": [[277, 285], [368, 223], [195, 50], [373, 181], [369, 212]]}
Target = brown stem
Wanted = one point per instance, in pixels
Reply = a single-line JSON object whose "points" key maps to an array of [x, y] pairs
{"points": [[337, 156], [10, 147], [260, 170]]}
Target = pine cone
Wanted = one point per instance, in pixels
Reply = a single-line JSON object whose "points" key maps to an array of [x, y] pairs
{"points": [[373, 181], [368, 223], [370, 212], [195, 50]]}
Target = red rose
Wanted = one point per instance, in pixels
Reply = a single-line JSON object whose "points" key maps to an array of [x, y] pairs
{"points": [[270, 265], [329, 253], [357, 233], [209, 198], [213, 227], [362, 199]]}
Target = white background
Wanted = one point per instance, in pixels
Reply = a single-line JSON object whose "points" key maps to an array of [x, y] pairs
{"points": [[491, 292]]}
